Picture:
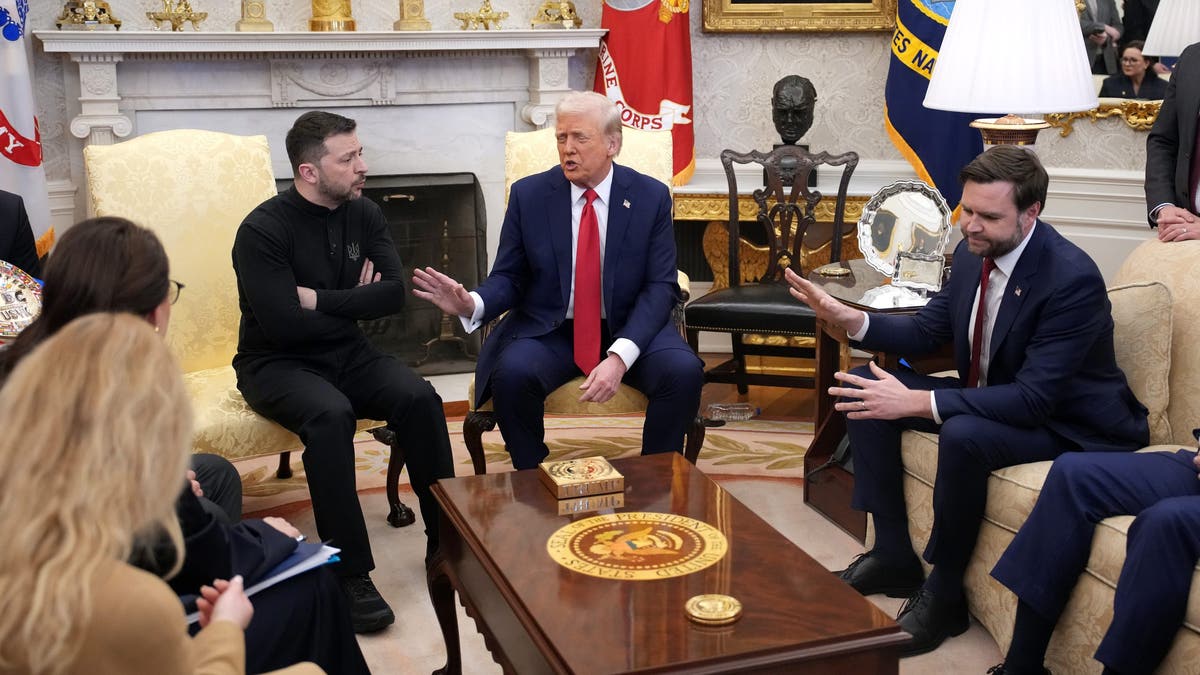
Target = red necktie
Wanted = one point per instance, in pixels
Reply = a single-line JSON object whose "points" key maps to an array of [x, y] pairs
{"points": [[980, 313], [587, 288]]}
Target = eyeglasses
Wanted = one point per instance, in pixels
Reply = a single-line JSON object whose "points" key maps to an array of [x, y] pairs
{"points": [[1132, 61], [173, 289]]}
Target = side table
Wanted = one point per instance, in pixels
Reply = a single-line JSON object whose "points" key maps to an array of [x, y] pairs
{"points": [[829, 487]]}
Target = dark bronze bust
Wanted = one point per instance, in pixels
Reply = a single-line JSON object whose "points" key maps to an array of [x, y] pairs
{"points": [[792, 103]]}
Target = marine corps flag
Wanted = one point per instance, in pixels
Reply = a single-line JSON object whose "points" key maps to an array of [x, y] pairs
{"points": [[937, 143], [645, 67], [21, 169]]}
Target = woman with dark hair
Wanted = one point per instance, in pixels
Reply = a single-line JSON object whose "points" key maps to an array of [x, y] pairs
{"points": [[1137, 78], [110, 264]]}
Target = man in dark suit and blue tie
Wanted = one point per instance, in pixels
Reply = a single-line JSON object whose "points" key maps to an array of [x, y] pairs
{"points": [[1032, 331], [1172, 156], [1050, 551], [586, 271]]}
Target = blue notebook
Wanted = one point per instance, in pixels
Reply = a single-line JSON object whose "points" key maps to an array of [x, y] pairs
{"points": [[307, 556]]}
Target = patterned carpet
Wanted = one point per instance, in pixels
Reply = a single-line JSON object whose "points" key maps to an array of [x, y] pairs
{"points": [[752, 448]]}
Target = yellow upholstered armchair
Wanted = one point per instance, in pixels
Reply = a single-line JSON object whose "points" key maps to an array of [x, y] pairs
{"points": [[527, 153], [193, 188]]}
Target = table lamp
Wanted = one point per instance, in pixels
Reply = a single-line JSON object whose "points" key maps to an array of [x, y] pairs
{"points": [[1022, 56], [1176, 25]]}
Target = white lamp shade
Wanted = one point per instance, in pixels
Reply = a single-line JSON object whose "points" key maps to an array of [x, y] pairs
{"points": [[1015, 56], [1176, 25]]}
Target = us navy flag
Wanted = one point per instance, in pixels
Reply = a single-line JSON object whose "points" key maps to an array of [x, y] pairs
{"points": [[937, 143]]}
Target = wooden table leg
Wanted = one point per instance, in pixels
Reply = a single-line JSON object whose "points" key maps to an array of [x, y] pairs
{"points": [[441, 593], [829, 488]]}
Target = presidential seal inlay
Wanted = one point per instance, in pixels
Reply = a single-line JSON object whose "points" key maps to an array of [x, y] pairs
{"points": [[637, 546]]}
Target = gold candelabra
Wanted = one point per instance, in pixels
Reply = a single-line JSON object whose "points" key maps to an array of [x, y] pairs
{"points": [[486, 18], [176, 16]]}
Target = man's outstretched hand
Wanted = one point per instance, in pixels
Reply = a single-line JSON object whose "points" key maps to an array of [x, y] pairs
{"points": [[446, 293], [827, 308]]}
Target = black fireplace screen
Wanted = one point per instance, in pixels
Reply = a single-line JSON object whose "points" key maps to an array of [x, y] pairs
{"points": [[436, 220]]}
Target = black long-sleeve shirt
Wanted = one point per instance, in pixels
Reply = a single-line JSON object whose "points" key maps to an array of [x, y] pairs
{"points": [[288, 242]]}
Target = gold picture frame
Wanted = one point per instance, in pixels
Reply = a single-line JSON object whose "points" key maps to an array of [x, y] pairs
{"points": [[751, 16], [1138, 114]]}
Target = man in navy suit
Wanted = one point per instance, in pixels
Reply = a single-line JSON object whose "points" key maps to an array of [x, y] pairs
{"points": [[1037, 376], [1050, 551], [569, 312], [1172, 160]]}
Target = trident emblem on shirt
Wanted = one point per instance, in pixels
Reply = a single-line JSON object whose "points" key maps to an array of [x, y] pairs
{"points": [[352, 251]]}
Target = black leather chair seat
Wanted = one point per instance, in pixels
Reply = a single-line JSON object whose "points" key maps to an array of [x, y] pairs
{"points": [[754, 308]]}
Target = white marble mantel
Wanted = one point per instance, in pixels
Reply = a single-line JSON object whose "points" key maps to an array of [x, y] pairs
{"points": [[158, 42], [425, 102], [102, 119]]}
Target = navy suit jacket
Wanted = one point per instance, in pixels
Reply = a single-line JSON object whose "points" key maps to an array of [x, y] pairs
{"points": [[1172, 139], [531, 278], [1052, 362]]}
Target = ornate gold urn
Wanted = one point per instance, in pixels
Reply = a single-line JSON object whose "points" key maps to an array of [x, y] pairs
{"points": [[331, 15]]}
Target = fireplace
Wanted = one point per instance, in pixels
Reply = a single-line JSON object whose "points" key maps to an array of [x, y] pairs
{"points": [[436, 221]]}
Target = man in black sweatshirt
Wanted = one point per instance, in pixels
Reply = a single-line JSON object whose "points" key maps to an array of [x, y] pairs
{"points": [[310, 263]]}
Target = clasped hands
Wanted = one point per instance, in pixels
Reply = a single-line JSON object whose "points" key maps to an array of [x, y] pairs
{"points": [[366, 275], [885, 398], [449, 296], [1176, 224]]}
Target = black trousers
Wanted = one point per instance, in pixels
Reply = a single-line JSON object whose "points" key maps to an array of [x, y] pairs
{"points": [[530, 368], [221, 484], [320, 397], [969, 449], [305, 618]]}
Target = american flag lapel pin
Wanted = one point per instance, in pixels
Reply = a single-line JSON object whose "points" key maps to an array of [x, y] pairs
{"points": [[626, 204]]}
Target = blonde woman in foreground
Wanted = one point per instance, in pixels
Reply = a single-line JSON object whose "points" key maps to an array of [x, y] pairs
{"points": [[97, 437]]}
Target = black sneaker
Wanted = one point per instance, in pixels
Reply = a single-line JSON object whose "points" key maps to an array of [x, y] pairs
{"points": [[369, 612]]}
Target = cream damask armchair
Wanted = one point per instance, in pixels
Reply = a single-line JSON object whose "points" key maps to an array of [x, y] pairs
{"points": [[527, 153], [193, 188]]}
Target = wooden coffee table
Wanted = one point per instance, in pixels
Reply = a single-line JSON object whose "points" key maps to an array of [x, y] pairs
{"points": [[539, 617]]}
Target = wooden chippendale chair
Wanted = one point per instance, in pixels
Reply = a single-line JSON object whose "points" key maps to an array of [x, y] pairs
{"points": [[193, 188], [762, 306], [527, 153]]}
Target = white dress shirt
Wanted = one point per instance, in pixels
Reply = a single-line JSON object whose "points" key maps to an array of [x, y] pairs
{"points": [[622, 347], [997, 284]]}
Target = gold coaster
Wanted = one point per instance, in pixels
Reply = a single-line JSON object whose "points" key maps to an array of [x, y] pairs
{"points": [[833, 270], [712, 609]]}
